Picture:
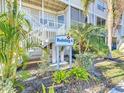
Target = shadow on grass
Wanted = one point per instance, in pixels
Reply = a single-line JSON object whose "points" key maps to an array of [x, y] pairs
{"points": [[119, 75], [117, 59]]}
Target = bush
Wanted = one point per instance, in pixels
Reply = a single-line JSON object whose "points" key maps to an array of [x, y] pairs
{"points": [[60, 76], [79, 74], [6, 86], [76, 73], [85, 60]]}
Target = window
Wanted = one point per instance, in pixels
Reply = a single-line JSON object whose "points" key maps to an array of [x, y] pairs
{"points": [[101, 6], [100, 21], [77, 15], [61, 19]]}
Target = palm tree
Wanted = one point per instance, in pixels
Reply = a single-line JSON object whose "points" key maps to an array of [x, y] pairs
{"points": [[115, 11], [89, 38], [86, 4], [12, 33]]}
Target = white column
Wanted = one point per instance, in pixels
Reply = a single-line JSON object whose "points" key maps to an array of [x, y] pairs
{"points": [[69, 19], [70, 59], [43, 11], [58, 63], [94, 19], [53, 53], [62, 55], [3, 6], [88, 18], [20, 5]]}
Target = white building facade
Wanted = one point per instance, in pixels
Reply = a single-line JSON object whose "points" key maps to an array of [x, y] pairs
{"points": [[50, 18]]}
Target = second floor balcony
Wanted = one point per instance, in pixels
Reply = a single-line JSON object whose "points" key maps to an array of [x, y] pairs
{"points": [[53, 5]]}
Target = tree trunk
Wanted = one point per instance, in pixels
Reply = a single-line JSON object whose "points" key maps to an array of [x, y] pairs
{"points": [[110, 24]]}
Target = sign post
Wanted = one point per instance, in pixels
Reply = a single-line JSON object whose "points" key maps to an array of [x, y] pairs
{"points": [[58, 63], [64, 41], [70, 61]]}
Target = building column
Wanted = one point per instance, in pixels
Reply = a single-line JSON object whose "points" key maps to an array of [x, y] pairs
{"points": [[62, 55], [53, 53], [69, 14], [94, 16], [70, 58], [43, 12], [20, 5], [57, 55]]}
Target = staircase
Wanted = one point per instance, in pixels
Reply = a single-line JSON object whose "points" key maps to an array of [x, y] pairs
{"points": [[43, 33]]}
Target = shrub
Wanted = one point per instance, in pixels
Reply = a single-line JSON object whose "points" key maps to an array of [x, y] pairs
{"points": [[79, 74], [6, 86], [85, 60], [60, 76]]}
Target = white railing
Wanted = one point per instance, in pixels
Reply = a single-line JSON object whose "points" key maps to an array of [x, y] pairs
{"points": [[43, 34], [45, 31]]}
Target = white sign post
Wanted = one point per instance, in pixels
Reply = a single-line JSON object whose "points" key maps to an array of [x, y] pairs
{"points": [[64, 41]]}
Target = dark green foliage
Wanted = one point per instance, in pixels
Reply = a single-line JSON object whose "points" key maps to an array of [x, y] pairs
{"points": [[12, 35], [89, 38], [85, 60], [60, 76], [79, 74], [74, 73]]}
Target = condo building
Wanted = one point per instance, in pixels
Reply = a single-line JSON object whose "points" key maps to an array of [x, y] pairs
{"points": [[50, 18]]}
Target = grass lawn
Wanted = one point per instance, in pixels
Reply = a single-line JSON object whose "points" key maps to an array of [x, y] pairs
{"points": [[112, 71]]}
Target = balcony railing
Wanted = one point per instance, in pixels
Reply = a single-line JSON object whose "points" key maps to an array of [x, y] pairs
{"points": [[51, 24], [44, 23], [45, 30]]}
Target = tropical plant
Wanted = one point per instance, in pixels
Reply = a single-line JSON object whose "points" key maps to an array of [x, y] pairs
{"points": [[85, 60], [6, 86], [89, 38], [86, 4], [60, 77], [79, 73], [44, 65], [13, 30], [51, 89], [114, 16], [76, 73]]}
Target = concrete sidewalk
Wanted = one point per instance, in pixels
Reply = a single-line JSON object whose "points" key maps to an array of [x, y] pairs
{"points": [[118, 89]]}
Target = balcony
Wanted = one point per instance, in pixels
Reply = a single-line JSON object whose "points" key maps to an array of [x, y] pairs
{"points": [[45, 30], [53, 5]]}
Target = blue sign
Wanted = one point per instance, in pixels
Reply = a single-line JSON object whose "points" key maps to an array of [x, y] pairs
{"points": [[64, 41]]}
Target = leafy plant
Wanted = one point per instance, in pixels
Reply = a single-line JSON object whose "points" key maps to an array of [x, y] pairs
{"points": [[6, 86], [85, 60], [44, 65], [60, 76], [12, 34], [23, 75], [51, 89], [79, 73], [43, 88], [89, 38]]}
